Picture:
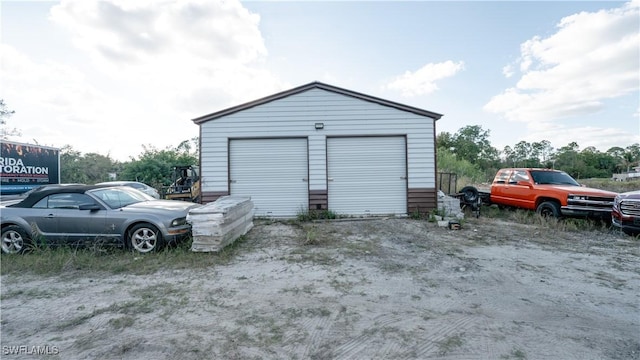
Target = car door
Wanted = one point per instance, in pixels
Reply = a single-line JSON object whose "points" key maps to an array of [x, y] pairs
{"points": [[42, 220], [75, 222]]}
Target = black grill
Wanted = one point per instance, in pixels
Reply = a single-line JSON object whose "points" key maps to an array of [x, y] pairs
{"points": [[600, 198], [630, 207]]}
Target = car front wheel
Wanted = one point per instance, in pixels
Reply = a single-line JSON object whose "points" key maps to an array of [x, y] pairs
{"points": [[145, 238], [14, 240], [549, 209]]}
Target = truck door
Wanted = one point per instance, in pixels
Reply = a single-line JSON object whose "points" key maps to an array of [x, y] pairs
{"points": [[521, 195], [498, 187]]}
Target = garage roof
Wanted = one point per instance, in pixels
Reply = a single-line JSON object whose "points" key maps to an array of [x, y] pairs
{"points": [[315, 85]]}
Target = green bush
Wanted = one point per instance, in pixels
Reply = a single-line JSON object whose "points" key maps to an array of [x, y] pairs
{"points": [[467, 172], [311, 215]]}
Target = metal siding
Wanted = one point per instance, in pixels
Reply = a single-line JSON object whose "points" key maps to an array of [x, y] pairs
{"points": [[317, 162], [421, 165], [367, 175], [213, 167], [274, 172], [310, 87], [294, 116]]}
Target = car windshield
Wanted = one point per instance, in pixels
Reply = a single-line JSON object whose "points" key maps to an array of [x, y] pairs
{"points": [[553, 178], [119, 197]]}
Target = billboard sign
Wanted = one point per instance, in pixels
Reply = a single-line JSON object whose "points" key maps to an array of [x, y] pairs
{"points": [[24, 166]]}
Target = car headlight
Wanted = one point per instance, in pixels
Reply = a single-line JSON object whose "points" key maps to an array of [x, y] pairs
{"points": [[179, 222], [577, 197]]}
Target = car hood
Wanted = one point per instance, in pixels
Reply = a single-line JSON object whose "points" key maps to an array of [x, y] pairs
{"points": [[630, 195], [581, 190], [162, 205]]}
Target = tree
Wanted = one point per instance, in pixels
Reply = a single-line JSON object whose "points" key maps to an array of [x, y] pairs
{"points": [[632, 156], [85, 169], [523, 154], [5, 114], [466, 171], [472, 143], [567, 159], [154, 167], [444, 140], [543, 149], [617, 153], [625, 158], [596, 164], [509, 156]]}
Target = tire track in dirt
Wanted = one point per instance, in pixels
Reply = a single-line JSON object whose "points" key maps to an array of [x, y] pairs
{"points": [[385, 337], [354, 347], [318, 328], [547, 301], [438, 334], [394, 326]]}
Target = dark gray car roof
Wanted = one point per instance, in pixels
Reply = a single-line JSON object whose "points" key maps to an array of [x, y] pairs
{"points": [[37, 195]]}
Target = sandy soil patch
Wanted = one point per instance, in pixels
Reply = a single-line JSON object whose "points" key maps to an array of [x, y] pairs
{"points": [[385, 288]]}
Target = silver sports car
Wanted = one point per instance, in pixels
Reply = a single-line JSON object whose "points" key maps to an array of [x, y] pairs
{"points": [[89, 214]]}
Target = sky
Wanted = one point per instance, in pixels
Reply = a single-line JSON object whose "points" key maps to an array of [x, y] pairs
{"points": [[114, 77]]}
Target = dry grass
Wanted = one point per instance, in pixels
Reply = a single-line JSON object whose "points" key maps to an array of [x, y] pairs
{"points": [[532, 218], [66, 260], [611, 185]]}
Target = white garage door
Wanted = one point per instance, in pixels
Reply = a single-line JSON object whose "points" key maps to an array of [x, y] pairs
{"points": [[367, 175], [273, 172]]}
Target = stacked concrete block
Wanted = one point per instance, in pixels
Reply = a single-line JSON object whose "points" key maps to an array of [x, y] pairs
{"points": [[450, 206], [220, 223]]}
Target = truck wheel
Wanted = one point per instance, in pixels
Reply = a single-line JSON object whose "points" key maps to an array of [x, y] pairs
{"points": [[548, 209], [469, 194], [14, 240]]}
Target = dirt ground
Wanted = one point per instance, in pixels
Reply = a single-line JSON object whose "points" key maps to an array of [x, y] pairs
{"points": [[356, 289]]}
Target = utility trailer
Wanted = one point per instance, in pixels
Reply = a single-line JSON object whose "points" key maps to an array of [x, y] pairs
{"points": [[473, 199], [470, 197]]}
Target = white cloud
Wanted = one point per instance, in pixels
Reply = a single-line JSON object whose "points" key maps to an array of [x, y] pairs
{"points": [[125, 31], [56, 105], [508, 71], [592, 57], [600, 137], [176, 51], [154, 65], [59, 90], [424, 80]]}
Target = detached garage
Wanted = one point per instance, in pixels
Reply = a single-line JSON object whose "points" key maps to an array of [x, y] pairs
{"points": [[320, 147]]}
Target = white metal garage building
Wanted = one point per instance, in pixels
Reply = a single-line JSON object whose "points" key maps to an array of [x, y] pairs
{"points": [[320, 147]]}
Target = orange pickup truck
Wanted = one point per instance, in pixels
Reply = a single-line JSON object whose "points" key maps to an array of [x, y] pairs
{"points": [[549, 193]]}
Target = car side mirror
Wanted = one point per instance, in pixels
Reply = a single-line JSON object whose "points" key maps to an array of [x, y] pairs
{"points": [[90, 207]]}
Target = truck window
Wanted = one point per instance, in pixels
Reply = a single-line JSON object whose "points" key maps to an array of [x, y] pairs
{"points": [[553, 177], [502, 176], [519, 175]]}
